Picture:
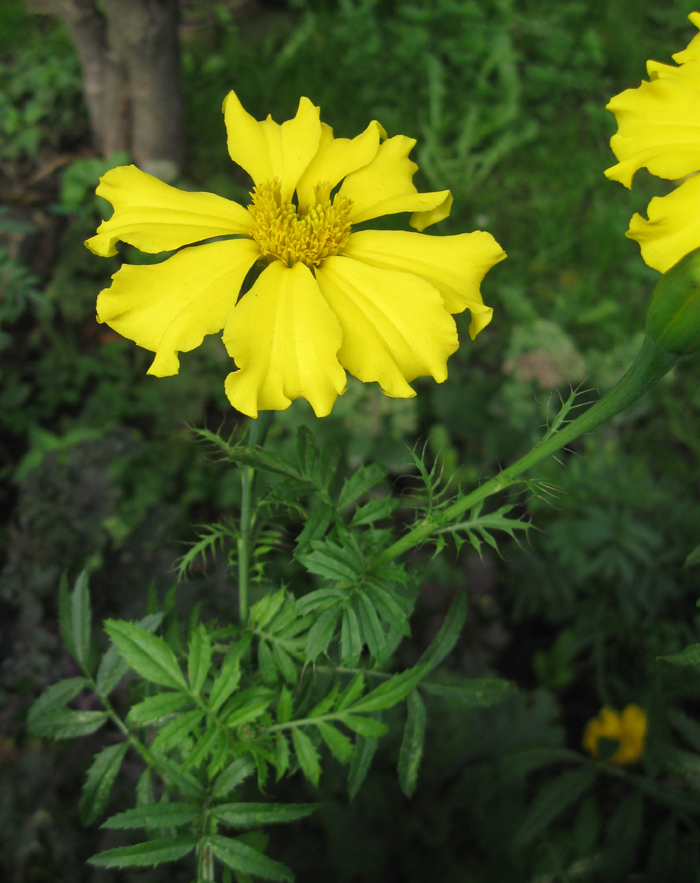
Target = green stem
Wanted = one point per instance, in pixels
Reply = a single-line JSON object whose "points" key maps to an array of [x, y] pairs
{"points": [[649, 367], [205, 864], [258, 433]]}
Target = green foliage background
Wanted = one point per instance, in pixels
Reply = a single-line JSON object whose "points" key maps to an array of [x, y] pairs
{"points": [[100, 470]]}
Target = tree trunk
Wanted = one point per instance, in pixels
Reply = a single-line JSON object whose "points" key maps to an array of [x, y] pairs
{"points": [[130, 62], [144, 35]]}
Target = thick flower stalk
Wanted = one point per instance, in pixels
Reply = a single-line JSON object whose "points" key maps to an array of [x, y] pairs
{"points": [[627, 728], [659, 130], [328, 298]]}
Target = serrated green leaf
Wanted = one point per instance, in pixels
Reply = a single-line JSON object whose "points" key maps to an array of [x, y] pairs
{"points": [[369, 727], [351, 692], [241, 857], [321, 633], [307, 755], [155, 708], [68, 724], [205, 746], [289, 622], [265, 610], [389, 609], [285, 663], [325, 704], [56, 697], [185, 782], [110, 671], [249, 712], [79, 621], [411, 750], [365, 749], [328, 567], [350, 638], [284, 706], [144, 789], [156, 815], [112, 667], [146, 653], [99, 782], [249, 815], [551, 801], [145, 855], [448, 635], [360, 483], [375, 509], [266, 663], [337, 562], [390, 692], [281, 755], [176, 730], [226, 681], [315, 528], [264, 460], [477, 692], [372, 631], [338, 743], [306, 450], [198, 659], [689, 656], [232, 776], [309, 603], [328, 462]]}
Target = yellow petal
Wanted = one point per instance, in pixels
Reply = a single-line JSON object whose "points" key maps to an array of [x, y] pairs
{"points": [[336, 158], [673, 228], [169, 308], [155, 217], [455, 265], [267, 150], [385, 187], [692, 53], [658, 129], [421, 220], [395, 326], [284, 339]]}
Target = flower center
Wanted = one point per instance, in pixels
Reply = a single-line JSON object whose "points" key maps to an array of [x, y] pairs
{"points": [[309, 236]]}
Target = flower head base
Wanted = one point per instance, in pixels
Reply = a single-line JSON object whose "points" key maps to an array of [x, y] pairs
{"points": [[328, 299], [659, 129], [307, 237], [673, 317], [627, 729]]}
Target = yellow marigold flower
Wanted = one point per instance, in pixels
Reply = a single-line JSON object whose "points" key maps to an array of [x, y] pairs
{"points": [[659, 130], [628, 728], [329, 299]]}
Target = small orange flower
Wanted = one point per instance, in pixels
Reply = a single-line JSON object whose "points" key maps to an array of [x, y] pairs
{"points": [[628, 729]]}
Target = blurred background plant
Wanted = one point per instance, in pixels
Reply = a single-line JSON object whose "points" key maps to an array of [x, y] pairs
{"points": [[100, 470]]}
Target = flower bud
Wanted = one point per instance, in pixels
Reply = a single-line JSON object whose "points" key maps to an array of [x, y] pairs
{"points": [[673, 317]]}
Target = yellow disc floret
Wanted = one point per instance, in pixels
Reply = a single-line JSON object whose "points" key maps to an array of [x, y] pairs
{"points": [[291, 235]]}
